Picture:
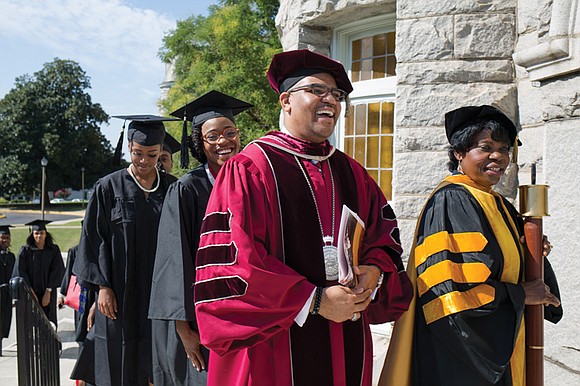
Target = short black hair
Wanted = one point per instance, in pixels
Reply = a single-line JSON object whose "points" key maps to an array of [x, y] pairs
{"points": [[463, 139]]}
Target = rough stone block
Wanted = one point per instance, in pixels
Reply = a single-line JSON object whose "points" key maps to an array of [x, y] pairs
{"points": [[425, 39], [455, 71], [426, 105], [559, 99], [409, 207], [415, 9], [489, 36], [420, 139], [419, 172]]}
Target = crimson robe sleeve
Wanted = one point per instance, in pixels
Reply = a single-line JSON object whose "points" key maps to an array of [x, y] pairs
{"points": [[463, 303], [382, 247], [244, 293]]}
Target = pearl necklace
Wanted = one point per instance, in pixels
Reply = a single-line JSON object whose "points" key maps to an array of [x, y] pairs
{"points": [[130, 169], [329, 250]]}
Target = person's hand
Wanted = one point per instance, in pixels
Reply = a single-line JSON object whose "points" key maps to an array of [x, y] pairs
{"points": [[46, 299], [191, 343], [340, 303], [60, 302], [367, 276], [108, 303], [546, 245], [91, 316], [538, 292]]}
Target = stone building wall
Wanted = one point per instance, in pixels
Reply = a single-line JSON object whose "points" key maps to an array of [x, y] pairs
{"points": [[521, 55]]}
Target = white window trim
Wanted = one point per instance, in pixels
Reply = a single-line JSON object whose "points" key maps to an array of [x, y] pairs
{"points": [[366, 91]]}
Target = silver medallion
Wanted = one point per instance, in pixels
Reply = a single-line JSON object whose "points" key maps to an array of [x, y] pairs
{"points": [[330, 262]]}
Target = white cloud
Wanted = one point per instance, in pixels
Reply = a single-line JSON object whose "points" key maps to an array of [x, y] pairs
{"points": [[104, 33]]}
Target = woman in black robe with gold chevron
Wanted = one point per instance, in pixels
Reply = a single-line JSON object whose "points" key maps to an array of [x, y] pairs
{"points": [[467, 264]]}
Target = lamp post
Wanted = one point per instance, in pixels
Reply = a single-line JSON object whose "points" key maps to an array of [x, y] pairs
{"points": [[83, 187], [43, 163]]}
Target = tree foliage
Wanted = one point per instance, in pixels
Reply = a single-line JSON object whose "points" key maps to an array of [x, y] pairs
{"points": [[49, 114], [229, 51]]}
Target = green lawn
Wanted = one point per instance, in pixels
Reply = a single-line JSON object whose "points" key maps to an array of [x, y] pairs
{"points": [[65, 236]]}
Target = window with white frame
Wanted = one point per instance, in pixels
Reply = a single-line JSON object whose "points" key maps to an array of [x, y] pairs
{"points": [[367, 50]]}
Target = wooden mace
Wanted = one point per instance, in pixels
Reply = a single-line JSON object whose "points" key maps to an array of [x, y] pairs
{"points": [[534, 206]]}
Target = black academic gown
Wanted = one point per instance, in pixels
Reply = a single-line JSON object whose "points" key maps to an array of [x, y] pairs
{"points": [[7, 260], [117, 250], [470, 339], [174, 277], [41, 269]]}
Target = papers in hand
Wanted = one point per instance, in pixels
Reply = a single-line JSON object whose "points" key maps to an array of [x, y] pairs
{"points": [[350, 237]]}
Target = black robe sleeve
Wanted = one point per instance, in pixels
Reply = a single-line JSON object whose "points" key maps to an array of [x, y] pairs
{"points": [[68, 270], [177, 243], [93, 263]]}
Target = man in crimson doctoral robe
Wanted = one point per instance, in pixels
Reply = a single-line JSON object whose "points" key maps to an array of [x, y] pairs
{"points": [[268, 302]]}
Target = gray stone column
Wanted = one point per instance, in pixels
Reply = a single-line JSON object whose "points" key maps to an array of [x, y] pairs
{"points": [[450, 53]]}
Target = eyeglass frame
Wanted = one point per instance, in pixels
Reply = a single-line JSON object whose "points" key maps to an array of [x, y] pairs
{"points": [[329, 90], [203, 137]]}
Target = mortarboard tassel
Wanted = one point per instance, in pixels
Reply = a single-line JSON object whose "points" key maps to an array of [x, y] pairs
{"points": [[119, 148], [184, 152]]}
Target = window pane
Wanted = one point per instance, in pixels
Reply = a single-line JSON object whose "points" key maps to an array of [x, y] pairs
{"points": [[375, 175], [355, 70], [361, 119], [387, 117], [349, 124], [391, 65], [348, 146], [355, 50], [372, 152], [367, 47], [391, 43], [359, 150], [380, 45], [386, 183], [366, 69], [373, 120], [386, 151], [379, 68]]}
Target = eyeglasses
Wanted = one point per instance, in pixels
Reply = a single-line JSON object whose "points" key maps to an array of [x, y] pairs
{"points": [[230, 134], [322, 90]]}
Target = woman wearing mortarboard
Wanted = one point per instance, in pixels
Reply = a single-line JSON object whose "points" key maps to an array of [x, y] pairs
{"points": [[465, 324], [40, 264], [7, 260], [178, 357], [116, 257]]}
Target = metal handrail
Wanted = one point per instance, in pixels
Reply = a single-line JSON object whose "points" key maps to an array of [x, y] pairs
{"points": [[38, 344]]}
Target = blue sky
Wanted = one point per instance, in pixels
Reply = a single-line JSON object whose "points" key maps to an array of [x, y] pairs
{"points": [[115, 42]]}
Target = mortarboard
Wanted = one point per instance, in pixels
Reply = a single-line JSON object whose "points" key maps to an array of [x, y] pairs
{"points": [[461, 117], [287, 68], [38, 225], [170, 144], [210, 105], [146, 130], [5, 229]]}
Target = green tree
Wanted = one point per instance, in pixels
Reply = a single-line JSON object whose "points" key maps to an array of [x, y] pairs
{"points": [[229, 51], [49, 114]]}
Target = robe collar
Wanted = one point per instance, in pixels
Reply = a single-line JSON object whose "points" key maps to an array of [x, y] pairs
{"points": [[209, 173], [299, 147], [461, 178]]}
